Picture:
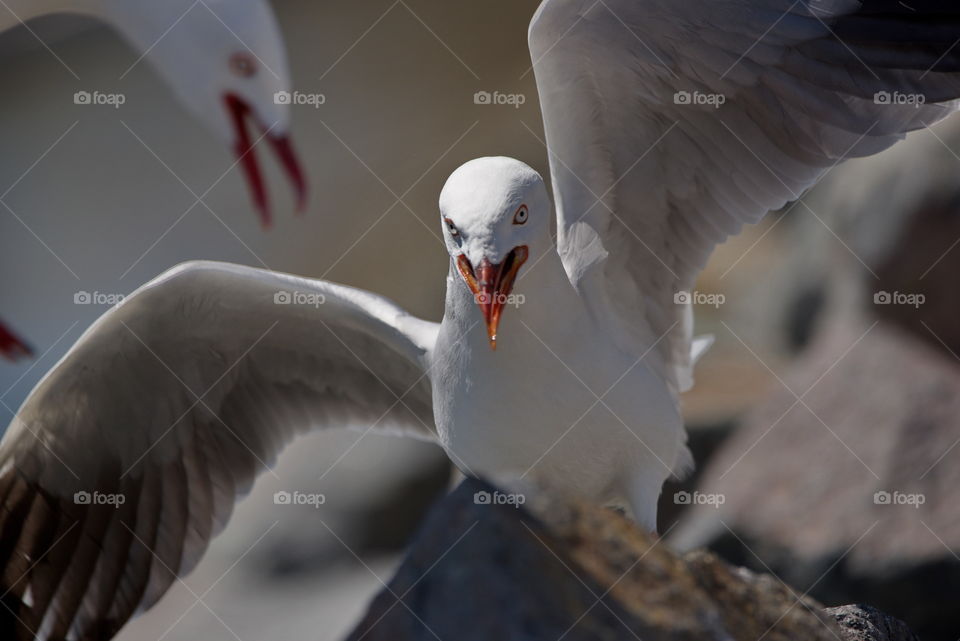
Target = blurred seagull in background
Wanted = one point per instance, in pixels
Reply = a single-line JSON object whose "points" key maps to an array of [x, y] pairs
{"points": [[669, 126], [227, 77]]}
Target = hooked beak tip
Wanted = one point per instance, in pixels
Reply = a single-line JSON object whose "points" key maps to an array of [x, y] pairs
{"points": [[491, 285], [492, 337]]}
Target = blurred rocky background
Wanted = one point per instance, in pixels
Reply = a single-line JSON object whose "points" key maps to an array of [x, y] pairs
{"points": [[842, 480], [820, 398]]}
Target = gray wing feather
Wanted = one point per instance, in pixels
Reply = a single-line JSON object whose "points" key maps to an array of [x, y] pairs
{"points": [[176, 400], [648, 180]]}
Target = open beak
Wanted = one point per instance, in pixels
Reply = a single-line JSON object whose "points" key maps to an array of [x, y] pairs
{"points": [[491, 285], [240, 112]]}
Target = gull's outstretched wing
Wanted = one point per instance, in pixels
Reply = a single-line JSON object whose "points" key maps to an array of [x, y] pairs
{"points": [[175, 400], [670, 124]]}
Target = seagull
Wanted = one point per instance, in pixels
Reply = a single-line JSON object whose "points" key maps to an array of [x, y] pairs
{"points": [[558, 362], [228, 86]]}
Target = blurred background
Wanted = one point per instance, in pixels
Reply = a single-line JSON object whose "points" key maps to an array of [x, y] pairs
{"points": [[819, 393]]}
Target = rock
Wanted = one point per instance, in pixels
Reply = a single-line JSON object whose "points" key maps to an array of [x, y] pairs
{"points": [[554, 569], [851, 493], [863, 623]]}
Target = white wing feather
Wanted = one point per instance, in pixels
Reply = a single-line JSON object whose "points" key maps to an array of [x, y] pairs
{"points": [[670, 124], [177, 399]]}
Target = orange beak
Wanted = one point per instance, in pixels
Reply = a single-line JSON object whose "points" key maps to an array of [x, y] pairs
{"points": [[491, 285]]}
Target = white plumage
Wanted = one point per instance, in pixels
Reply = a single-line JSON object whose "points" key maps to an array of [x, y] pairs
{"points": [[669, 126], [224, 59], [203, 50]]}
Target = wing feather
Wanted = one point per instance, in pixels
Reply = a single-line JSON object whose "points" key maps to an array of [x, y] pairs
{"points": [[171, 404], [671, 124]]}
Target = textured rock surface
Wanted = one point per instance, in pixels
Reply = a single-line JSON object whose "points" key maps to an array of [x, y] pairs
{"points": [[554, 570], [863, 623], [800, 479]]}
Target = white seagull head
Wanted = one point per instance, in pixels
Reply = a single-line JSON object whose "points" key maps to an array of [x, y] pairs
{"points": [[226, 62], [495, 213]]}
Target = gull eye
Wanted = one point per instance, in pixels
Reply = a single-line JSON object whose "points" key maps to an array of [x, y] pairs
{"points": [[243, 64], [452, 228], [521, 216]]}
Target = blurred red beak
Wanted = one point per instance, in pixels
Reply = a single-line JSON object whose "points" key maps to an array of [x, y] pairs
{"points": [[11, 347], [240, 112], [491, 285]]}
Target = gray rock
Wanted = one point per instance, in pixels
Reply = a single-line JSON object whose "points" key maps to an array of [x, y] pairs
{"points": [[851, 493], [864, 623], [555, 569]]}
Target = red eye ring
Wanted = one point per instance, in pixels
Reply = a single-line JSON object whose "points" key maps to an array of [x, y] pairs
{"points": [[243, 64], [451, 227], [521, 215]]}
